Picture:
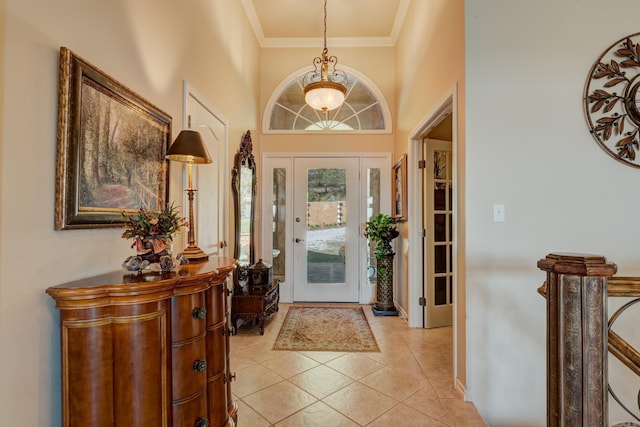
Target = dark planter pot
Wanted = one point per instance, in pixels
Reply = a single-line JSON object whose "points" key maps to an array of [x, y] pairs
{"points": [[384, 286]]}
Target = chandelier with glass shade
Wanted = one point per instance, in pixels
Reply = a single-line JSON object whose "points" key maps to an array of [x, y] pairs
{"points": [[325, 89]]}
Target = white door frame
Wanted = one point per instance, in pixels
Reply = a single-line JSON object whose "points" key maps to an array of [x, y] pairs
{"points": [[448, 105], [284, 160]]}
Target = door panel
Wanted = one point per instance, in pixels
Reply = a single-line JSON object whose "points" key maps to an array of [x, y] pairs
{"points": [[210, 179], [438, 250], [325, 228]]}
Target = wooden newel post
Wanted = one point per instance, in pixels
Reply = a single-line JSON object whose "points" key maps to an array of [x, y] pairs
{"points": [[576, 291]]}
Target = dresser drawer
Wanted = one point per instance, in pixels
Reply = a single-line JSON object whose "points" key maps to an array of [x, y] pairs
{"points": [[216, 296], [189, 365], [188, 316], [246, 304], [191, 412], [217, 400], [216, 344]]}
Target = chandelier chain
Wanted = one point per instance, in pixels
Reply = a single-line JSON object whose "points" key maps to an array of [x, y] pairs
{"points": [[320, 91], [325, 26]]}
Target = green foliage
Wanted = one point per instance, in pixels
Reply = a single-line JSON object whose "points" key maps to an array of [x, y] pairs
{"points": [[326, 185], [144, 223], [380, 230]]}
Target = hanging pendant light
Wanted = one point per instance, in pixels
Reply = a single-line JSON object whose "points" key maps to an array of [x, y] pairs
{"points": [[324, 90]]}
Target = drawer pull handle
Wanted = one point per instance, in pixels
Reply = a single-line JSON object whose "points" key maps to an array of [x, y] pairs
{"points": [[202, 422], [232, 377], [200, 365], [199, 313]]}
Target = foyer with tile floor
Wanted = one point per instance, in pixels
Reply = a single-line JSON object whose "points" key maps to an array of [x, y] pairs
{"points": [[408, 383]]}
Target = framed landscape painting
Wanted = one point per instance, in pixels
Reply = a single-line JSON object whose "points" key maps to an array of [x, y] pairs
{"points": [[111, 147]]}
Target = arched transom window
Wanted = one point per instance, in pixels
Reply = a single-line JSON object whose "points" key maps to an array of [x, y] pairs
{"points": [[364, 110]]}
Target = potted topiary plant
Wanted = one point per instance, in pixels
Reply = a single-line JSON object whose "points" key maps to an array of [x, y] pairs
{"points": [[381, 230]]}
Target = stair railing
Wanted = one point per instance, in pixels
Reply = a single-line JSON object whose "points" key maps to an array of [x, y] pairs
{"points": [[579, 336]]}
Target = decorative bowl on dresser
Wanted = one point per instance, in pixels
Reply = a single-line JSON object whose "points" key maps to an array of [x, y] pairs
{"points": [[147, 349], [255, 295]]}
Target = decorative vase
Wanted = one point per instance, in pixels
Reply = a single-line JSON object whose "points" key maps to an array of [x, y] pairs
{"points": [[151, 250]]}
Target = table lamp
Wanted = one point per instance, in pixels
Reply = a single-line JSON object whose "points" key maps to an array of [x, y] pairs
{"points": [[189, 148]]}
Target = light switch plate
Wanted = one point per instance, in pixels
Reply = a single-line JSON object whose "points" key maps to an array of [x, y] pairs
{"points": [[498, 212]]}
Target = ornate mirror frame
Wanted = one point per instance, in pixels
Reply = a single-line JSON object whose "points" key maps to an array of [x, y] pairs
{"points": [[612, 100], [244, 187]]}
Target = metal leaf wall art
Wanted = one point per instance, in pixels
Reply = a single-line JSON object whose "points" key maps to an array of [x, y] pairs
{"points": [[612, 100]]}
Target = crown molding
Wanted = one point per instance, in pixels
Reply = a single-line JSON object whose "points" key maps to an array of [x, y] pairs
{"points": [[303, 42], [250, 11], [399, 21]]}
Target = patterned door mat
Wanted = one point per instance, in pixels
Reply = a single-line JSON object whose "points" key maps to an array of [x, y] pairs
{"points": [[326, 329]]}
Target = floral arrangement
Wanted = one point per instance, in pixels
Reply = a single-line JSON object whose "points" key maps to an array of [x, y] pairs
{"points": [[153, 225]]}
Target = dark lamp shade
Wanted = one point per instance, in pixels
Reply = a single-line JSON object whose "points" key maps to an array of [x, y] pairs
{"points": [[189, 148]]}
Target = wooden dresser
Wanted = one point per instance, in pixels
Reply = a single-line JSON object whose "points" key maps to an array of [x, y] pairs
{"points": [[147, 349]]}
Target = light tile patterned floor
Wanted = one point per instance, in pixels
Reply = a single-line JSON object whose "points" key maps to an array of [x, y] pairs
{"points": [[409, 383]]}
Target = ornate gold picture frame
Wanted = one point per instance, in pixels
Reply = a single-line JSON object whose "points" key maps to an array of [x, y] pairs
{"points": [[111, 148]]}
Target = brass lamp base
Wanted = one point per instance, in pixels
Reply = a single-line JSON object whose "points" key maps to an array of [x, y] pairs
{"points": [[194, 253]]}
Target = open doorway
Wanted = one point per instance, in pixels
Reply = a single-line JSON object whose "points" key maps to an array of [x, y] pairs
{"points": [[446, 109]]}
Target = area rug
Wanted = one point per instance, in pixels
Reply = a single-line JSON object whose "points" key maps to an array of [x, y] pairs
{"points": [[326, 329]]}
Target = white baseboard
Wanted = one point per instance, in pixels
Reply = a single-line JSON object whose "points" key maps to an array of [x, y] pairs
{"points": [[401, 312], [460, 388]]}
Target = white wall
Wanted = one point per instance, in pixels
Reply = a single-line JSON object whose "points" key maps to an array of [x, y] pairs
{"points": [[528, 147], [149, 45]]}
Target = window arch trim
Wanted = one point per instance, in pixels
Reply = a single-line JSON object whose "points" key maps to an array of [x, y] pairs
{"points": [[359, 76]]}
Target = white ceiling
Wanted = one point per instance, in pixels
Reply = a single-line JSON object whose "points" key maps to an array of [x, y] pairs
{"points": [[299, 23]]}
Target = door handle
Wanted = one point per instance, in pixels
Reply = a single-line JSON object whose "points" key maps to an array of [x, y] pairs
{"points": [[298, 240]]}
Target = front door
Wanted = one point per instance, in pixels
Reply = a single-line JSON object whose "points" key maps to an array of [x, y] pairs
{"points": [[326, 229], [438, 223]]}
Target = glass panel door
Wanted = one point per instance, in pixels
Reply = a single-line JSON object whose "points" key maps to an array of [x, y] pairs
{"points": [[279, 224], [326, 237], [438, 208]]}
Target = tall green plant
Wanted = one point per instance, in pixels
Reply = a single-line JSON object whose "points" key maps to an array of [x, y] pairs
{"points": [[380, 230]]}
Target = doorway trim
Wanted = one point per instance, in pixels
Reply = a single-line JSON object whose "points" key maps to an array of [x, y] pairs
{"points": [[286, 160], [448, 105]]}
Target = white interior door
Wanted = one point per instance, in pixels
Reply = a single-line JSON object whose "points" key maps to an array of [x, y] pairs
{"points": [[210, 179], [438, 223], [326, 229]]}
